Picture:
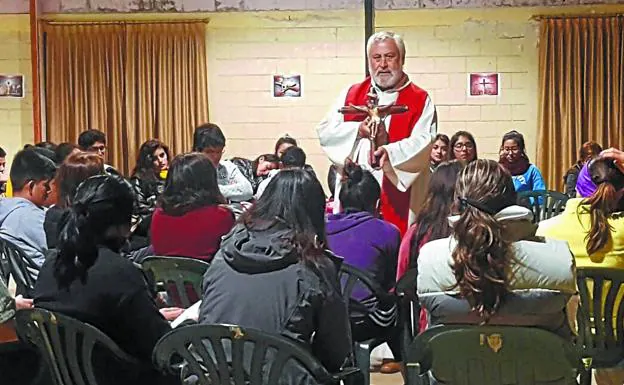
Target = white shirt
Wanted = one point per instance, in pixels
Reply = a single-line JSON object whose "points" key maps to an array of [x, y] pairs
{"points": [[232, 183]]}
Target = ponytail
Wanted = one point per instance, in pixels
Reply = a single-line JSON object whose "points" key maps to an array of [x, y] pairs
{"points": [[480, 260], [601, 204], [77, 247]]}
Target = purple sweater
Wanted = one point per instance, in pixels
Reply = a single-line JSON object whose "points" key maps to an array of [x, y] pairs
{"points": [[366, 242]]}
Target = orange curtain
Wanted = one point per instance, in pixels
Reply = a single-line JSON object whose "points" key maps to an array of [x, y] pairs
{"points": [[581, 90], [132, 81]]}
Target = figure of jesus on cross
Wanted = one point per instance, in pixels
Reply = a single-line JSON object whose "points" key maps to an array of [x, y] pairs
{"points": [[375, 115]]}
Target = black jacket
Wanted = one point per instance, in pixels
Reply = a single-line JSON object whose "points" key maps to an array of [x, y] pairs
{"points": [[114, 298], [256, 280], [146, 194]]}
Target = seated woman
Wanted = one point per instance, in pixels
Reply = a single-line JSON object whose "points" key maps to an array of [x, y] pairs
{"points": [[588, 151], [74, 170], [190, 219], [257, 170], [272, 273], [594, 227], [463, 147], [525, 176], [148, 182], [432, 220], [439, 151], [89, 280], [371, 245], [492, 269]]}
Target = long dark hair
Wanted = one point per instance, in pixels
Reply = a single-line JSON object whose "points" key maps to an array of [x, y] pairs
{"points": [[456, 137], [294, 199], [360, 191], [191, 183], [519, 139], [101, 203], [284, 139], [603, 202], [144, 168], [76, 168], [482, 255], [432, 219]]}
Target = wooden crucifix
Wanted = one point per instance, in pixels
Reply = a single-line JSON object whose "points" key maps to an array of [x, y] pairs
{"points": [[376, 113]]}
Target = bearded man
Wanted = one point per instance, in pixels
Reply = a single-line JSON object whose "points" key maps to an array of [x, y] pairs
{"points": [[402, 165]]}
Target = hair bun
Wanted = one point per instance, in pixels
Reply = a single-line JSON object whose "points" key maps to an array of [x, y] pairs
{"points": [[353, 172]]}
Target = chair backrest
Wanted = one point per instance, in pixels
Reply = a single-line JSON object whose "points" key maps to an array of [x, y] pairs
{"points": [[490, 355], [14, 263], [543, 203], [232, 355], [409, 305], [359, 290], [67, 345], [181, 277], [600, 315]]}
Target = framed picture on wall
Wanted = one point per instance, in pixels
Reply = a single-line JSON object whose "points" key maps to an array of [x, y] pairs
{"points": [[11, 86], [287, 86], [484, 84]]}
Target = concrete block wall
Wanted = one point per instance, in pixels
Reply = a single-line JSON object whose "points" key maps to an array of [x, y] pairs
{"points": [[327, 49], [16, 119]]}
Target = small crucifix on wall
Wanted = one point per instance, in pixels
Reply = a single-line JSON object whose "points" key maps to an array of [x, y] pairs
{"points": [[484, 84]]}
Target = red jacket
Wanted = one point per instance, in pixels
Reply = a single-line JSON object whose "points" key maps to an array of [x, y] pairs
{"points": [[196, 234]]}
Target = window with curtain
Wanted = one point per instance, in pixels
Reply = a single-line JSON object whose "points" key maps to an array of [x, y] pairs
{"points": [[134, 81], [581, 83]]}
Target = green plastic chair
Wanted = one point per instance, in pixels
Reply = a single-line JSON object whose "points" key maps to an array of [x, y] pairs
{"points": [[233, 355], [353, 279], [67, 346], [544, 204], [491, 355], [180, 277], [600, 319]]}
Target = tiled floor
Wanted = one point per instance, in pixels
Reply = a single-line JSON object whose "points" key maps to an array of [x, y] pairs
{"points": [[386, 379], [395, 379]]}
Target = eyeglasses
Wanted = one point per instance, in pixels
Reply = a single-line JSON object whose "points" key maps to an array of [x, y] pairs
{"points": [[511, 150], [467, 146]]}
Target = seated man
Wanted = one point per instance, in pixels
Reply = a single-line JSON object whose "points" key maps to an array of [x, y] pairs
{"points": [[209, 139], [293, 157], [22, 216], [95, 141]]}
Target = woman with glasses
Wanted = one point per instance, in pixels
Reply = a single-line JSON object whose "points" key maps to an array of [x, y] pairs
{"points": [[463, 147], [513, 157]]}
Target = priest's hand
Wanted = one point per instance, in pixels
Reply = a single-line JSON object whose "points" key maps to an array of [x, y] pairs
{"points": [[364, 128], [382, 156]]}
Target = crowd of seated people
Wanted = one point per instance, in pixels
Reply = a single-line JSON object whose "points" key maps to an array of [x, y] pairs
{"points": [[477, 256]]}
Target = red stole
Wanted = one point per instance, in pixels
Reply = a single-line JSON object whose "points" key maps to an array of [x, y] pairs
{"points": [[395, 205]]}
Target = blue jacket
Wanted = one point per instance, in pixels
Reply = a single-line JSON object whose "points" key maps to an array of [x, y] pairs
{"points": [[21, 222], [531, 180]]}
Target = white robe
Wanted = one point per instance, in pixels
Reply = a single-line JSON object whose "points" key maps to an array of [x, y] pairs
{"points": [[408, 159]]}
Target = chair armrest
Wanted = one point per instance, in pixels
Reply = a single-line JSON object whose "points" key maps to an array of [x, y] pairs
{"points": [[345, 373]]}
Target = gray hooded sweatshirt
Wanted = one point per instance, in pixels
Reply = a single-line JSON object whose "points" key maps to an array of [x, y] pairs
{"points": [[21, 223]]}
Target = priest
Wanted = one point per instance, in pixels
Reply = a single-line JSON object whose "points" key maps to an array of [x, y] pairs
{"points": [[402, 163]]}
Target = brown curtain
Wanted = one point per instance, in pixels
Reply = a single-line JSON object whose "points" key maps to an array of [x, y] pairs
{"points": [[132, 81], [581, 90]]}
